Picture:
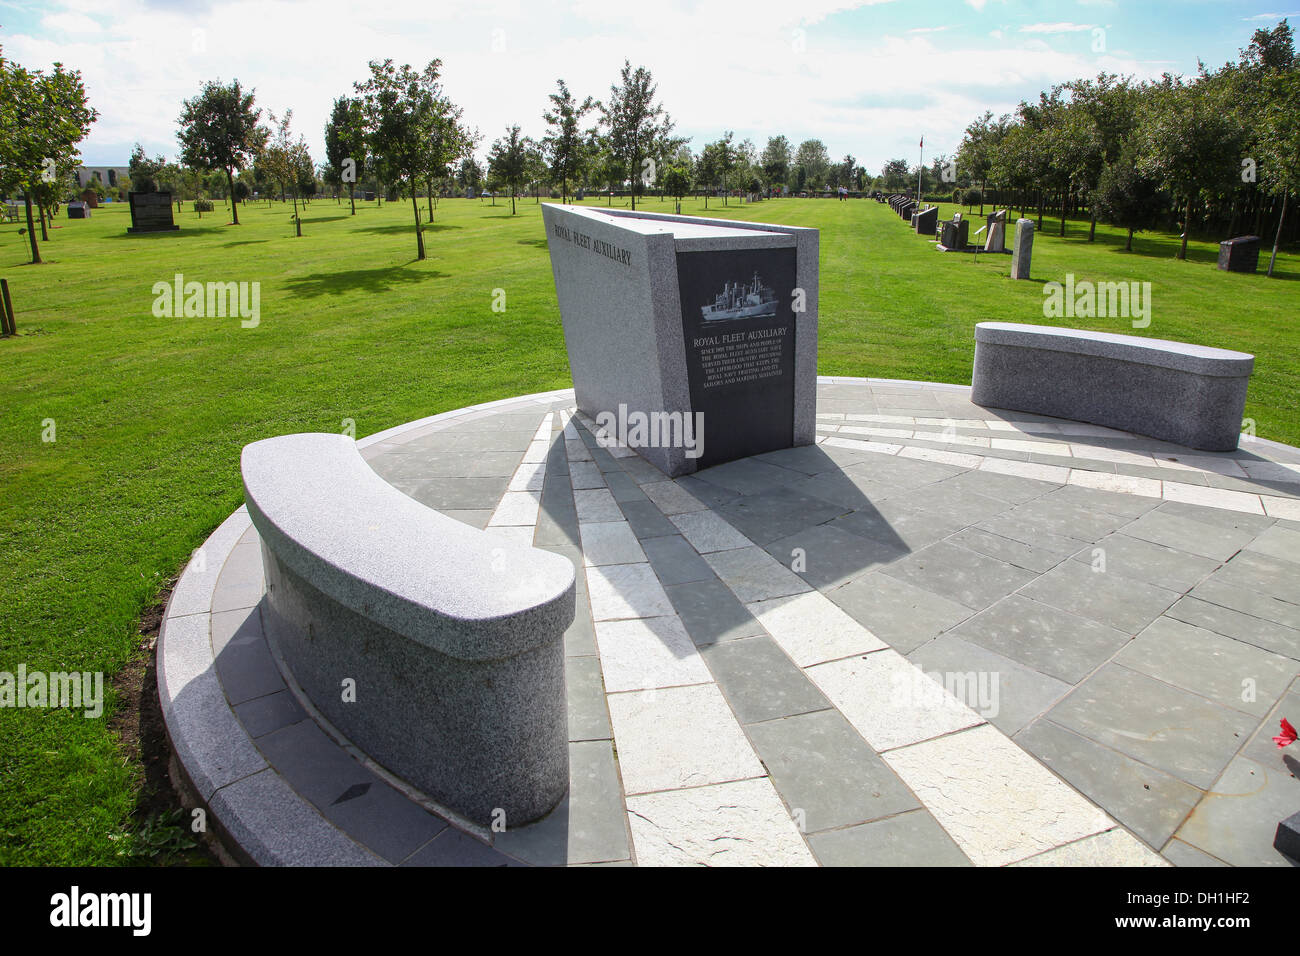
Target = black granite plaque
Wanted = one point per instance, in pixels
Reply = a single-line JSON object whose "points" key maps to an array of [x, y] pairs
{"points": [[151, 212], [738, 322], [1240, 254]]}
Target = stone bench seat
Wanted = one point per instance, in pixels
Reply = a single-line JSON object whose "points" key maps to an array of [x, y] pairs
{"points": [[450, 638], [1192, 395]]}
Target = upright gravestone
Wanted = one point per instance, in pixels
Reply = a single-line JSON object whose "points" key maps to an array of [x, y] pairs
{"points": [[1024, 249], [955, 234], [995, 239], [926, 221], [693, 341], [1240, 254], [150, 212], [78, 210]]}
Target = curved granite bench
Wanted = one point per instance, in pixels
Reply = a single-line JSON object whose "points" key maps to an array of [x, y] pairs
{"points": [[1189, 394], [453, 637]]}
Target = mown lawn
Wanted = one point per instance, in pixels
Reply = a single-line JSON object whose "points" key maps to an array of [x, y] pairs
{"points": [[149, 414]]}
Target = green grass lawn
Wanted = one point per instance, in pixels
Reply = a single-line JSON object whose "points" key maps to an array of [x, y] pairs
{"points": [[150, 414]]}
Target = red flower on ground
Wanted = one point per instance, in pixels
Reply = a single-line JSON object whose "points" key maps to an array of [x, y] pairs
{"points": [[1288, 735]]}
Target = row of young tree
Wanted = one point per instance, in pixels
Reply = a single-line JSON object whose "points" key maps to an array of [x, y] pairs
{"points": [[1219, 153]]}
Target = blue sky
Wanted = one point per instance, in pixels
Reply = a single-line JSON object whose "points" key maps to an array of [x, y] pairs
{"points": [[867, 78]]}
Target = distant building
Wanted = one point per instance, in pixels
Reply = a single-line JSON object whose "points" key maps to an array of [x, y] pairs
{"points": [[108, 175]]}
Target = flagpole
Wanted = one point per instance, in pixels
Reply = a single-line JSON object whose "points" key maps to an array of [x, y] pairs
{"points": [[920, 165]]}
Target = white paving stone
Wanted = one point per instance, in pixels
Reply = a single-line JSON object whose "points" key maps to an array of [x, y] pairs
{"points": [[528, 477], [1123, 484], [754, 575], [516, 534], [943, 457], [1113, 455], [891, 702], [671, 498], [622, 591], [1219, 466], [875, 431], [537, 452], [812, 628], [1213, 497], [646, 653], [883, 448], [1037, 447], [708, 531], [1026, 469], [1115, 847], [516, 508], [1288, 508], [679, 737], [729, 824], [597, 504], [609, 542], [998, 803]]}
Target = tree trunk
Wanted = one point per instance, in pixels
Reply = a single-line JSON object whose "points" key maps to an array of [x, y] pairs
{"points": [[31, 229], [512, 200], [1277, 236], [1040, 210], [429, 198], [1092, 227], [1187, 225], [297, 220], [1129, 247], [352, 197], [45, 236], [419, 234]]}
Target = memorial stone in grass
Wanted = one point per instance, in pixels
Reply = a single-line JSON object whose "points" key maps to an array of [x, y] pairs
{"points": [[691, 340], [150, 212]]}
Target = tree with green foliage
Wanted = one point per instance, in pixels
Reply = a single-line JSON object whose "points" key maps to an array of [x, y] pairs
{"points": [[565, 141], [1279, 144], [284, 159], [219, 130], [43, 116], [676, 180], [776, 160], [636, 125], [144, 171], [508, 162], [1127, 197], [345, 145]]}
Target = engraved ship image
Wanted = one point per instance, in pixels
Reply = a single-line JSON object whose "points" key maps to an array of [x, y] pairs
{"points": [[737, 301]]}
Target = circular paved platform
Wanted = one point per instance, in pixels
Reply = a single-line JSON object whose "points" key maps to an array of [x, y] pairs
{"points": [[942, 635]]}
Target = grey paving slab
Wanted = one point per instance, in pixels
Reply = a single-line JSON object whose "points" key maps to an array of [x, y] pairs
{"points": [[901, 614], [1280, 543], [454, 848], [711, 613], [826, 772], [1261, 747], [1002, 691], [766, 516], [899, 526], [1093, 499], [623, 488], [243, 660], [1008, 488], [1175, 530], [580, 636], [241, 583], [610, 542], [585, 690], [967, 577], [826, 556], [350, 796], [1263, 574], [1146, 561], [1219, 517], [1227, 671], [944, 499], [1185, 855], [748, 476], [713, 495], [1243, 627], [475, 519], [1030, 532], [1011, 551], [909, 839], [1162, 726], [459, 493], [1247, 601], [675, 561], [264, 715], [754, 575], [814, 459], [275, 827], [646, 519], [1150, 802], [1043, 638], [851, 488], [1063, 517], [589, 825], [1237, 821], [759, 680], [1112, 599]]}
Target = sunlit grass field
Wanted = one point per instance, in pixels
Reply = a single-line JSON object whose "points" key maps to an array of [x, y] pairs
{"points": [[148, 414]]}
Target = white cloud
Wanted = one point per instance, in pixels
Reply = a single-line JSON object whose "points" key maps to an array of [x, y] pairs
{"points": [[1055, 28]]}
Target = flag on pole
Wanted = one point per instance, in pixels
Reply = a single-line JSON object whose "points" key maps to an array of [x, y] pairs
{"points": [[922, 144]]}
